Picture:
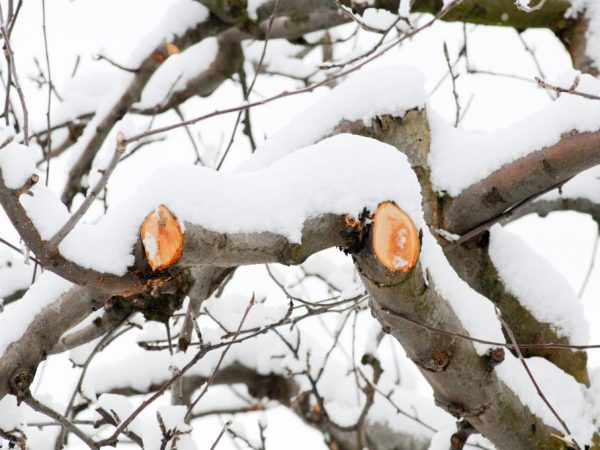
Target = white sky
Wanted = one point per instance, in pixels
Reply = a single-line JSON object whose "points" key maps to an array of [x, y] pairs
{"points": [[113, 28]]}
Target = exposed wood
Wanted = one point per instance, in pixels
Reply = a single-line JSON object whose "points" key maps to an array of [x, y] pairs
{"points": [[162, 238], [395, 238]]}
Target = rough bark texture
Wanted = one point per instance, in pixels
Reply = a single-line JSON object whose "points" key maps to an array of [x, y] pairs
{"points": [[53, 260], [474, 265], [21, 358], [521, 179], [202, 246], [482, 12], [461, 380]]}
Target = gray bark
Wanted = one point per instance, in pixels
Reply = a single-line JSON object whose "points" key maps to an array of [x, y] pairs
{"points": [[462, 381]]}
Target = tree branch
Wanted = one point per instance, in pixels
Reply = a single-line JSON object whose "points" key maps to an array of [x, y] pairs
{"points": [[103, 125], [521, 179], [461, 381], [473, 264], [19, 362]]}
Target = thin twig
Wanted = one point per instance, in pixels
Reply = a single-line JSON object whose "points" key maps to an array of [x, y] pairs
{"points": [[223, 430], [348, 13], [304, 90], [221, 358], [112, 439], [591, 266], [572, 90], [535, 384], [53, 243], [10, 56], [484, 226], [104, 341], [190, 136], [101, 57], [49, 136], [443, 332], [453, 77], [62, 420], [18, 250], [248, 91]]}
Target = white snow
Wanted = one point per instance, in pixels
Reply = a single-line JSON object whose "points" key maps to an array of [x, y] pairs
{"points": [[82, 94], [45, 209], [80, 354], [177, 71], [480, 154], [566, 395], [253, 6], [476, 312], [11, 414], [17, 163], [404, 8], [229, 309], [15, 275], [397, 90], [441, 439], [293, 67], [181, 16], [591, 9], [173, 417], [119, 407], [540, 288], [585, 185], [18, 315], [382, 19], [339, 175]]}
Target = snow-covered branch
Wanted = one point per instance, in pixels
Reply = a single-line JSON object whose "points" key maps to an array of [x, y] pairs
{"points": [[491, 266]]}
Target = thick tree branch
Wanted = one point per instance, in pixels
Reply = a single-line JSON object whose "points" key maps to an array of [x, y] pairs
{"points": [[205, 247], [129, 96], [482, 12], [109, 320], [461, 380], [227, 62], [19, 362], [53, 260], [521, 179], [474, 265]]}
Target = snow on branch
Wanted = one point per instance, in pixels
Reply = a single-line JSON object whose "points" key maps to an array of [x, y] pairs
{"points": [[364, 96], [438, 299], [537, 285], [519, 162], [186, 22], [341, 175], [588, 11], [484, 153]]}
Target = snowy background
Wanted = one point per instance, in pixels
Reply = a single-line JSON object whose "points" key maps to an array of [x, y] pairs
{"points": [[78, 31]]}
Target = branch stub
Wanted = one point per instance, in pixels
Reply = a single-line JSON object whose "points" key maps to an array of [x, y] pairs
{"points": [[162, 238], [395, 238]]}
